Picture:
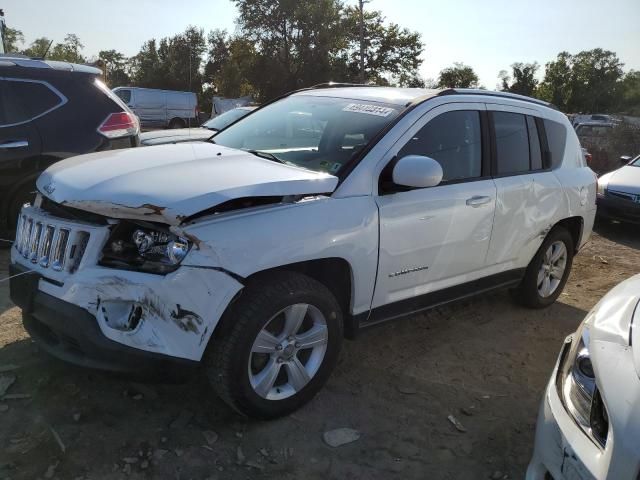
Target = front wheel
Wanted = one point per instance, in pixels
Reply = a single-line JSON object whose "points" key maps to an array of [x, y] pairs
{"points": [[283, 344], [548, 271]]}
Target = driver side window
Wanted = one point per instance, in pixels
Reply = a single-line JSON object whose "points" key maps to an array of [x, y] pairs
{"points": [[453, 139]]}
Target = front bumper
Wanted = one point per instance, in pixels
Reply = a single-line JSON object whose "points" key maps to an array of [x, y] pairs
{"points": [[563, 451], [618, 209], [72, 334], [171, 315]]}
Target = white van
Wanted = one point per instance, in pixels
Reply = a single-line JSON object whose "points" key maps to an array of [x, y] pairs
{"points": [[161, 108]]}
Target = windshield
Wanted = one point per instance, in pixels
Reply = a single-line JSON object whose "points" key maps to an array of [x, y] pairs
{"points": [[318, 133], [636, 162], [226, 118]]}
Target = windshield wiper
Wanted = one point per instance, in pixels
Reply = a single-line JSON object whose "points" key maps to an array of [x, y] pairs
{"points": [[267, 155]]}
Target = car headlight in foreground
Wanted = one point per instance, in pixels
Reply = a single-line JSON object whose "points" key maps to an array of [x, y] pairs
{"points": [[578, 391], [144, 247]]}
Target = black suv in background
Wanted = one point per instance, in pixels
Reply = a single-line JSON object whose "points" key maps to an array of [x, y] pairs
{"points": [[50, 111]]}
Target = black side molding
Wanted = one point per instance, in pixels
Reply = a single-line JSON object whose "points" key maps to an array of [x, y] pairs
{"points": [[402, 308]]}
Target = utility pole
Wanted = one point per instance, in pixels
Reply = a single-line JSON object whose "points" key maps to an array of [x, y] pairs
{"points": [[363, 78]]}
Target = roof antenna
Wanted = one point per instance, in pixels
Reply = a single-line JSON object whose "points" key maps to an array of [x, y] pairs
{"points": [[47, 50]]}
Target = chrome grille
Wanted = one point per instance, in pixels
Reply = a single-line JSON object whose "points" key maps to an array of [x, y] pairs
{"points": [[43, 242]]}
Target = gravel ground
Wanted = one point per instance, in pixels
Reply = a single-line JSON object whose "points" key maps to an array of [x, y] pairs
{"points": [[484, 361]]}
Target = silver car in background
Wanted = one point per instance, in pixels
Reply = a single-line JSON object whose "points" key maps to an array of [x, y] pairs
{"points": [[618, 195], [204, 132]]}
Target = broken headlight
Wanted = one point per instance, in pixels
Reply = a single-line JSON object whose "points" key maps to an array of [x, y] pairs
{"points": [[578, 390], [144, 247]]}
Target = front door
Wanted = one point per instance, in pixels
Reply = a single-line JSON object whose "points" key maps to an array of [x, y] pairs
{"points": [[434, 238]]}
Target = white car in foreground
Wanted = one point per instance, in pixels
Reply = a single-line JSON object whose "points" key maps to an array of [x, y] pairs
{"points": [[325, 211], [589, 421]]}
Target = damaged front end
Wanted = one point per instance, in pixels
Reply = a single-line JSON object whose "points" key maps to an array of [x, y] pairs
{"points": [[110, 237], [128, 278]]}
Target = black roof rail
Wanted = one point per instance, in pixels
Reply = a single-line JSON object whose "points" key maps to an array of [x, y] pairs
{"points": [[511, 96], [338, 85]]}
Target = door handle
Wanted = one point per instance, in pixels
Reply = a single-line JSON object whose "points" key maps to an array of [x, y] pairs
{"points": [[14, 144], [477, 201]]}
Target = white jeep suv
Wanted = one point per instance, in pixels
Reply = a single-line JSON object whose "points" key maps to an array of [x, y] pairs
{"points": [[323, 212]]}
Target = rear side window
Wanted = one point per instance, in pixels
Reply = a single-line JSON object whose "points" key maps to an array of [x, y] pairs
{"points": [[454, 140], [557, 139], [25, 100], [512, 142]]}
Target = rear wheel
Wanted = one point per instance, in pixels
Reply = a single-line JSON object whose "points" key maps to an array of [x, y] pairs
{"points": [[283, 344], [176, 123], [548, 271]]}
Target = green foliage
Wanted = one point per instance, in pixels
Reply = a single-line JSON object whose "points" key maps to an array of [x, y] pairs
{"points": [[524, 81], [13, 37], [174, 63], [392, 53], [586, 82], [296, 42], [116, 68], [458, 76], [37, 48], [68, 50], [630, 92]]}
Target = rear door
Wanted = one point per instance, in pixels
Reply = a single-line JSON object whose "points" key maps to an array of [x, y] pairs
{"points": [[529, 194], [22, 101]]}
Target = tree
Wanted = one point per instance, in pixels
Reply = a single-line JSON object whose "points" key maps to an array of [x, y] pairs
{"points": [[145, 65], [13, 37], [301, 43], [595, 81], [458, 76], [295, 41], [231, 65], [116, 65], [392, 53], [586, 82], [630, 98], [69, 50], [524, 81], [38, 48]]}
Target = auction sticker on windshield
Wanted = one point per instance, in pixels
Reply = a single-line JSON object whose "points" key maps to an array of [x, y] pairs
{"points": [[368, 109]]}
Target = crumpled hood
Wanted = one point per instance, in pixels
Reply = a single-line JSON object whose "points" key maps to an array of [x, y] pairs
{"points": [[611, 319], [625, 179], [159, 137], [171, 182]]}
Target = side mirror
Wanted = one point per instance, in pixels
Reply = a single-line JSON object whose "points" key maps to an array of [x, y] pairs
{"points": [[624, 159], [417, 171]]}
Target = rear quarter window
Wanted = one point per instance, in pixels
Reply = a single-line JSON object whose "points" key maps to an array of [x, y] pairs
{"points": [[557, 140]]}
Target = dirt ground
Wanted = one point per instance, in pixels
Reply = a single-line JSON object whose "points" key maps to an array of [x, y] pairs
{"points": [[486, 361]]}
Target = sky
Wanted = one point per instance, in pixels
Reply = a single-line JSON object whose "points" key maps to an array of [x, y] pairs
{"points": [[488, 35]]}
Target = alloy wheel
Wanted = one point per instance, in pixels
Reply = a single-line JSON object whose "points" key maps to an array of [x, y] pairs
{"points": [[288, 351], [552, 269]]}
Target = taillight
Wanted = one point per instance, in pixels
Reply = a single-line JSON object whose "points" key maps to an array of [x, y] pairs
{"points": [[119, 124]]}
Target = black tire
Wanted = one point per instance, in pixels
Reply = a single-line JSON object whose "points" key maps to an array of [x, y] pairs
{"points": [[226, 361], [177, 123], [527, 292]]}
